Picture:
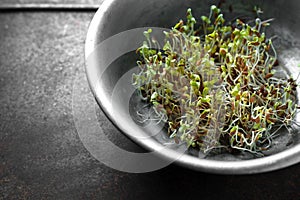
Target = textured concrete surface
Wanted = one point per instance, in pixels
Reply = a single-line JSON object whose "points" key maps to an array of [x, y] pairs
{"points": [[54, 1], [41, 155]]}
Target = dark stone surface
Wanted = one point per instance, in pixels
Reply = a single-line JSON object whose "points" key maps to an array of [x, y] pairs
{"points": [[41, 155], [91, 2]]}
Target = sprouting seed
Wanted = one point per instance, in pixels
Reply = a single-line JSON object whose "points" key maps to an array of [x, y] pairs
{"points": [[215, 84]]}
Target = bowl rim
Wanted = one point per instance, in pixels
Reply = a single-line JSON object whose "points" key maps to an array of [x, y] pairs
{"points": [[269, 163]]}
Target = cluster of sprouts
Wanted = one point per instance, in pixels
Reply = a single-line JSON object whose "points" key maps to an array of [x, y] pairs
{"points": [[215, 86]]}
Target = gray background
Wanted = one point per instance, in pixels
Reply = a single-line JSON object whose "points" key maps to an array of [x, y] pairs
{"points": [[41, 155], [97, 2]]}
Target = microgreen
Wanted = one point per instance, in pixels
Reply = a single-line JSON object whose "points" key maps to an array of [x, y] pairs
{"points": [[215, 85]]}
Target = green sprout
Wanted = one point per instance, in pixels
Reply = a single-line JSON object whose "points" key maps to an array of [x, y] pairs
{"points": [[215, 85]]}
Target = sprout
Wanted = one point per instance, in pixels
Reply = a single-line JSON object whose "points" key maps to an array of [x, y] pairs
{"points": [[219, 89]]}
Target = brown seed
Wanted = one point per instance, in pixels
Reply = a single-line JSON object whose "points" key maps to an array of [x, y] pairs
{"points": [[257, 120], [203, 116], [264, 148], [268, 76], [255, 43], [252, 99], [265, 94], [232, 106], [222, 52], [282, 107], [232, 133]]}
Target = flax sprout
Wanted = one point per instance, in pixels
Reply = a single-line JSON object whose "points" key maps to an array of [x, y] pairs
{"points": [[215, 86]]}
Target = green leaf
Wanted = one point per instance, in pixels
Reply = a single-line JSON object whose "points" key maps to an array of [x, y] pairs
{"points": [[236, 89], [205, 92], [154, 96], [256, 126]]}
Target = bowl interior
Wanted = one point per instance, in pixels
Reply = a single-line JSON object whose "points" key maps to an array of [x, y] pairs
{"points": [[117, 30]]}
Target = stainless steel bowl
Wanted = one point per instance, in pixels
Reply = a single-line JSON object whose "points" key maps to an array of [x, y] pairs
{"points": [[116, 16]]}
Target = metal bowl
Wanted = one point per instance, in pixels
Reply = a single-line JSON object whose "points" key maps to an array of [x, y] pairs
{"points": [[117, 30]]}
